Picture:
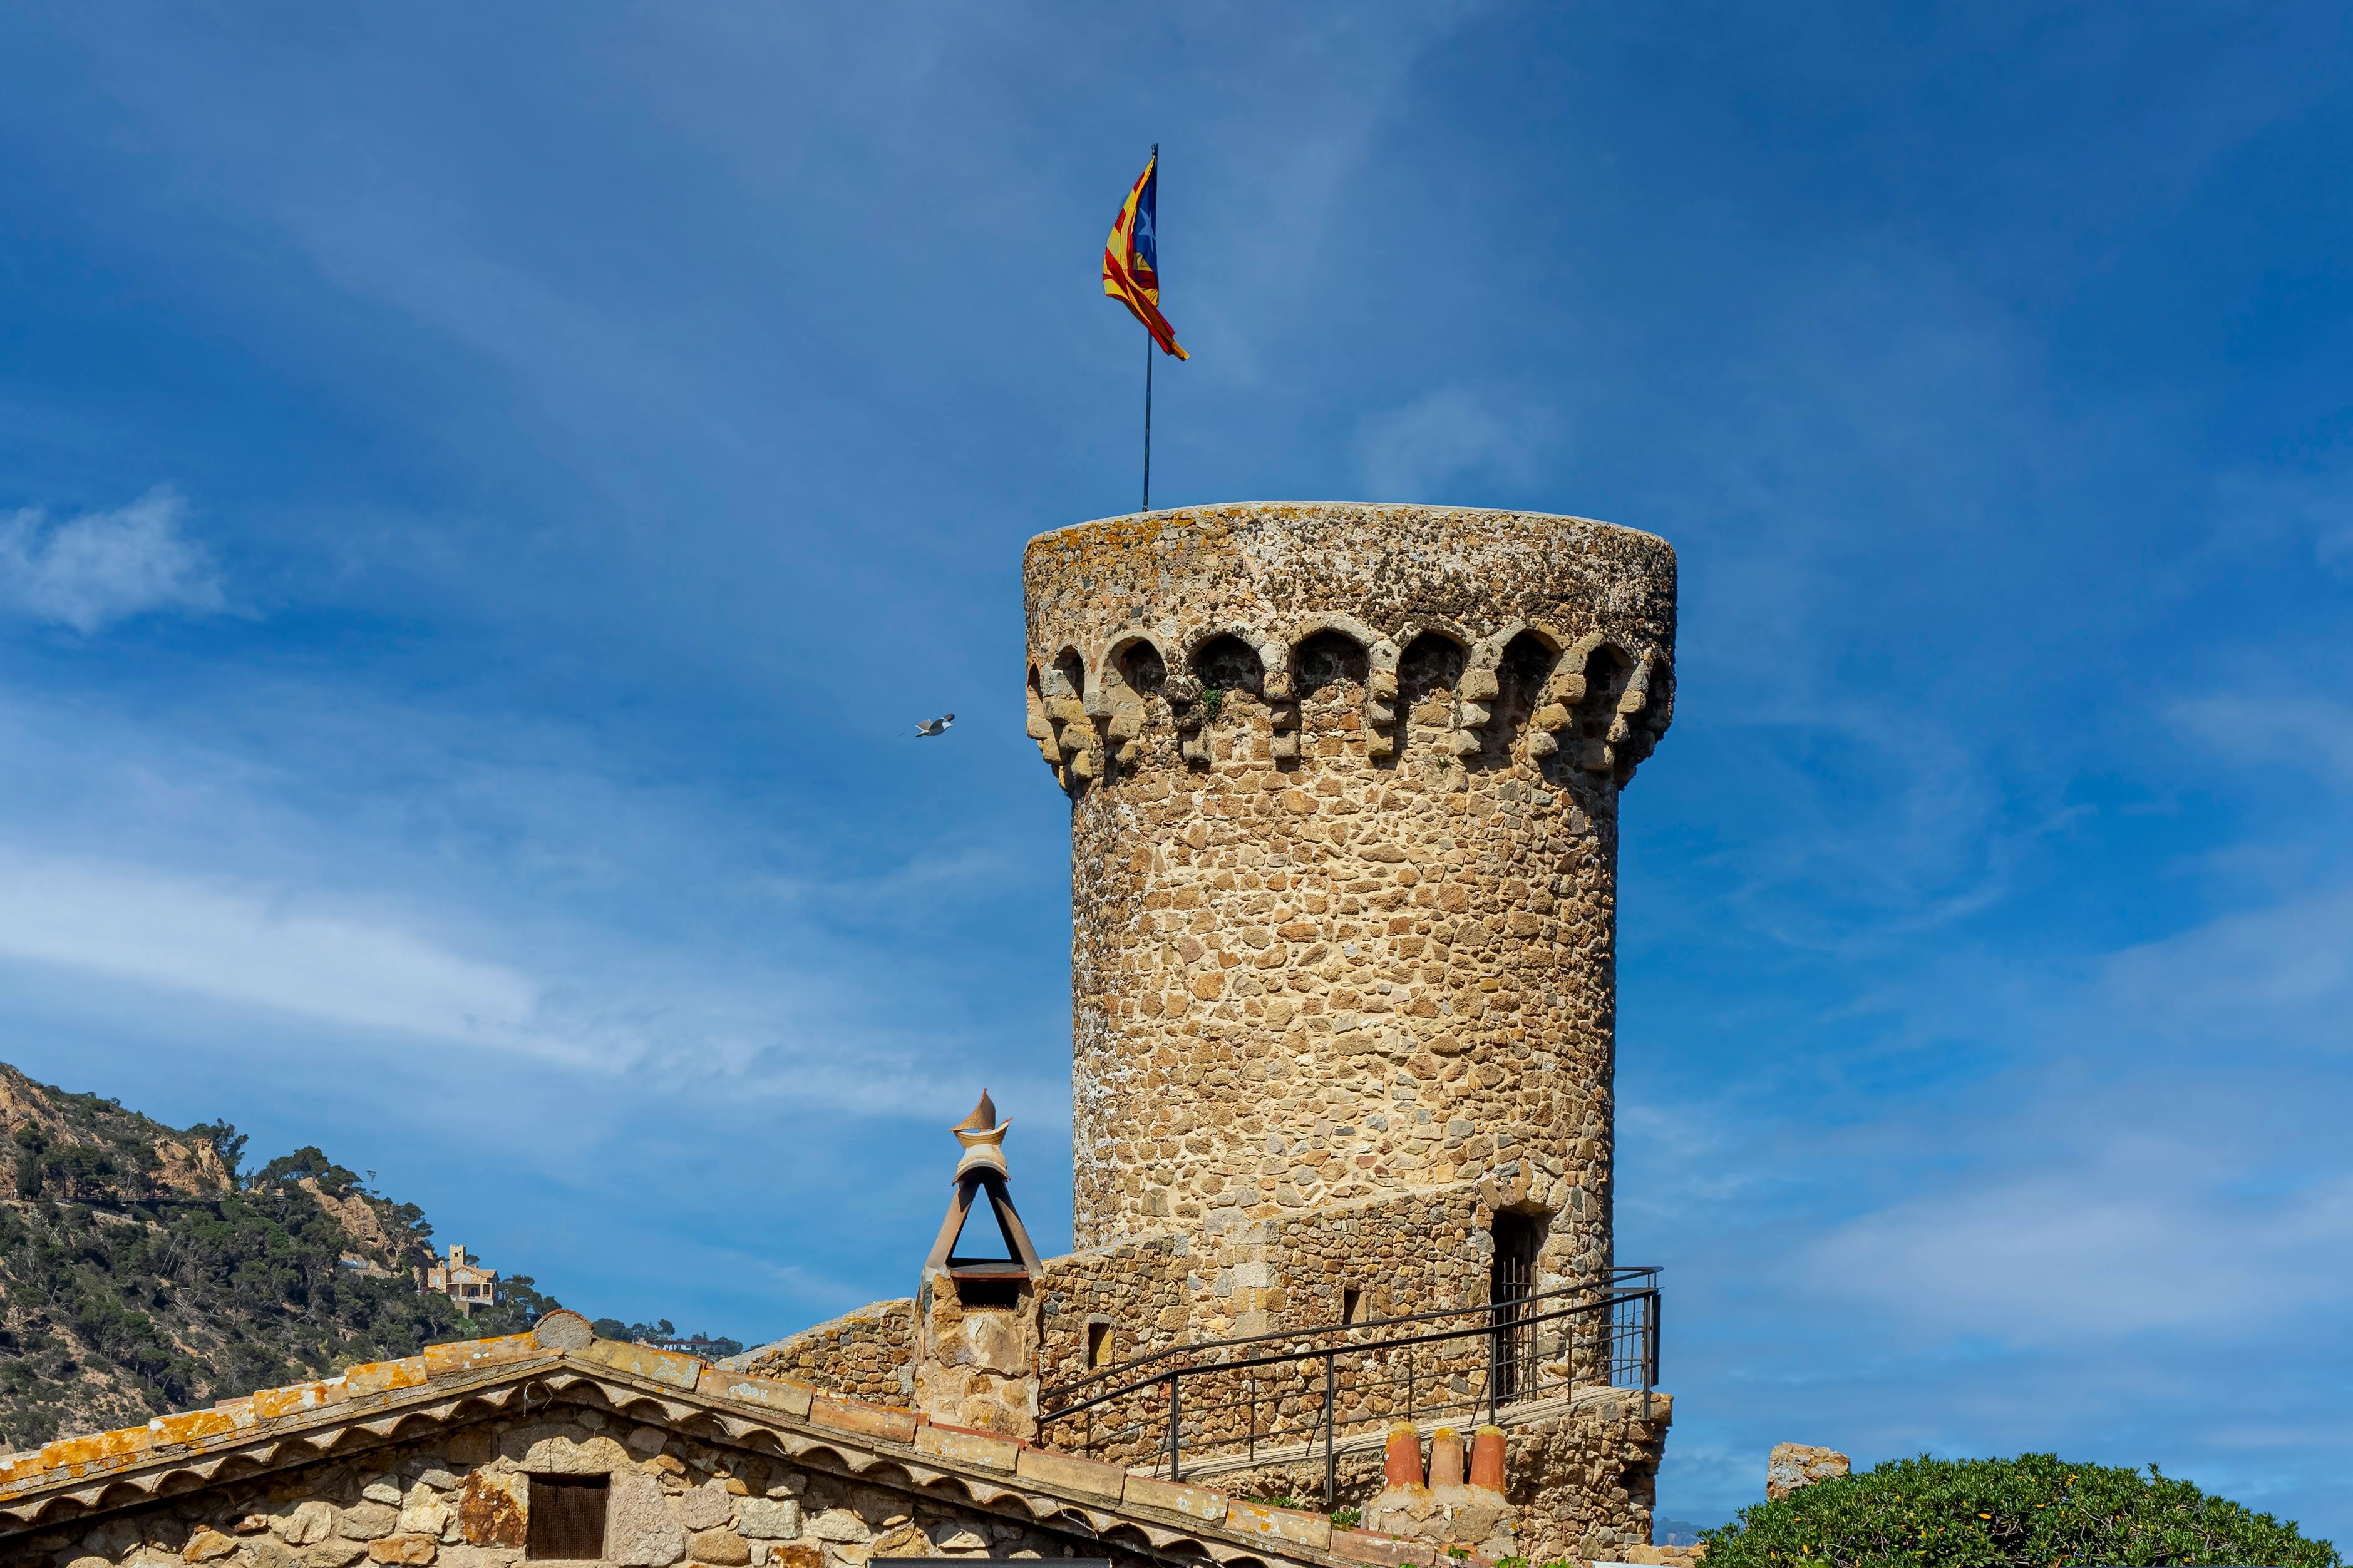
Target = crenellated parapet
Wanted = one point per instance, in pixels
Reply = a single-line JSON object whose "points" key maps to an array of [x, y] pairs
{"points": [[1486, 637]]}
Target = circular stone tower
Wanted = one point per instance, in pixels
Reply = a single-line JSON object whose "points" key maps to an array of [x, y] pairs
{"points": [[1344, 834]]}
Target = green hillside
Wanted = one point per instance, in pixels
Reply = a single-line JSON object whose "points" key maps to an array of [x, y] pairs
{"points": [[140, 1272]]}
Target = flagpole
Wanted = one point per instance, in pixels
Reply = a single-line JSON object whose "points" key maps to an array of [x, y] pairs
{"points": [[1147, 351]]}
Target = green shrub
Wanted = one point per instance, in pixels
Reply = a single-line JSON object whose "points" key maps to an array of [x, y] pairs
{"points": [[2033, 1511]]}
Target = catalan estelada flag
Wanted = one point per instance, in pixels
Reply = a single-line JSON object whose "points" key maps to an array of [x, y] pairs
{"points": [[1131, 272]]}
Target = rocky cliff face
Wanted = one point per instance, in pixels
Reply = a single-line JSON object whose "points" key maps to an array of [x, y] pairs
{"points": [[79, 1148]]}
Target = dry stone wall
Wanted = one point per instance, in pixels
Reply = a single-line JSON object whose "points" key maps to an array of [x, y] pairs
{"points": [[463, 1500], [866, 1354], [1585, 1487], [1406, 1252], [1344, 847]]}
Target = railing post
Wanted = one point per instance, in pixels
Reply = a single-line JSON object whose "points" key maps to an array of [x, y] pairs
{"points": [[1650, 1349], [1331, 1465], [1494, 1334], [1175, 1413], [1253, 1416]]}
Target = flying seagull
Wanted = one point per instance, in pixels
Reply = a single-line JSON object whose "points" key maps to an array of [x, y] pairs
{"points": [[938, 726]]}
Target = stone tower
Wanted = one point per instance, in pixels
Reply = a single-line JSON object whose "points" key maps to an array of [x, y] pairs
{"points": [[1344, 784]]}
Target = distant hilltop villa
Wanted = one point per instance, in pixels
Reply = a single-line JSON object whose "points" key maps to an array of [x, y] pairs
{"points": [[466, 1282]]}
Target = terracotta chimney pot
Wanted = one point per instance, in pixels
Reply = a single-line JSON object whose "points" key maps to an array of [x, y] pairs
{"points": [[1487, 1459], [1401, 1465], [1445, 1458]]}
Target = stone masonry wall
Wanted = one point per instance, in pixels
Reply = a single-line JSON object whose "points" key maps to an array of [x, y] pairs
{"points": [[977, 1362], [867, 1354], [1343, 825], [1406, 1252], [462, 1500], [1586, 1487]]}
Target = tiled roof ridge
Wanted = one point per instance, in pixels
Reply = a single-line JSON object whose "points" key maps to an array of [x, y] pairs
{"points": [[563, 1336]]}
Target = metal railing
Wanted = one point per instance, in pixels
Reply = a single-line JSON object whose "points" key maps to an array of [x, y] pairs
{"points": [[1300, 1387]]}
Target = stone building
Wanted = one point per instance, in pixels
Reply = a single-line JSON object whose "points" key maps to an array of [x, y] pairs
{"points": [[1343, 789], [463, 1279]]}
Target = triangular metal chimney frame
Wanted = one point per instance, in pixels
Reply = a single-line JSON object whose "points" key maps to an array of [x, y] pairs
{"points": [[982, 1172]]}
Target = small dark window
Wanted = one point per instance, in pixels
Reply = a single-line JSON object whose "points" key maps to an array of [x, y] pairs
{"points": [[1098, 1344], [1141, 666], [1521, 674], [1351, 1299], [1226, 663], [1430, 663], [1329, 659], [1605, 681], [567, 1518], [989, 1294]]}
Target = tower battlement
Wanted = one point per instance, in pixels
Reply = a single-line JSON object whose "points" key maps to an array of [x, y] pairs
{"points": [[1394, 624], [1343, 852]]}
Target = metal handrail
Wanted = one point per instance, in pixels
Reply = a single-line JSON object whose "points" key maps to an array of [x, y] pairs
{"points": [[1499, 1323]]}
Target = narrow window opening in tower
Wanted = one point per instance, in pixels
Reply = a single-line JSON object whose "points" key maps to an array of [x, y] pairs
{"points": [[1229, 664], [1517, 1237], [1099, 1344], [1143, 669], [1352, 1301]]}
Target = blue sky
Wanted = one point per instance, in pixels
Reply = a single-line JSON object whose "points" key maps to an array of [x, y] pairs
{"points": [[483, 497]]}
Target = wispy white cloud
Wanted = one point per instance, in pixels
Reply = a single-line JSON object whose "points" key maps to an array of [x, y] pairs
{"points": [[254, 948], [2314, 506], [392, 872], [2283, 971], [2301, 731], [99, 567], [1446, 439], [2089, 1251]]}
